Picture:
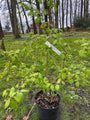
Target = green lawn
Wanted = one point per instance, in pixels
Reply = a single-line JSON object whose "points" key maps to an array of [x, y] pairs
{"points": [[74, 100]]}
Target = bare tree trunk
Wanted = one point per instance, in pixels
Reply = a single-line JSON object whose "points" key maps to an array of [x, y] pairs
{"points": [[67, 14], [81, 12], [62, 15], [50, 16], [60, 22], [38, 7], [56, 14], [25, 17], [34, 24], [1, 31], [71, 13], [87, 5], [20, 18], [59, 13], [1, 36], [10, 14], [84, 8], [14, 19], [75, 9], [45, 7]]}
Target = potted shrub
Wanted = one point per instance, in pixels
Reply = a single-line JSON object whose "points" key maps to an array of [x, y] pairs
{"points": [[48, 99]]}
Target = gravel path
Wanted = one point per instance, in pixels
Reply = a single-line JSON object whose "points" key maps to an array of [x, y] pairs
{"points": [[76, 37], [61, 37]]}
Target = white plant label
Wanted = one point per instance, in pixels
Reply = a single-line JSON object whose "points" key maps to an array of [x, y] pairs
{"points": [[53, 48]]}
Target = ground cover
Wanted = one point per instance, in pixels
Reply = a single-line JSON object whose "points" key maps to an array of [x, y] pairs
{"points": [[31, 54]]}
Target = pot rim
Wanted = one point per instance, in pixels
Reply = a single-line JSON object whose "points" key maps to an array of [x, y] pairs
{"points": [[48, 108]]}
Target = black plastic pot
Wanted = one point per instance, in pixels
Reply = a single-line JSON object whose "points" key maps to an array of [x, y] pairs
{"points": [[47, 114]]}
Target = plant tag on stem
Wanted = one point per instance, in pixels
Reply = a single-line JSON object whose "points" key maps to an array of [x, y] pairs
{"points": [[53, 48]]}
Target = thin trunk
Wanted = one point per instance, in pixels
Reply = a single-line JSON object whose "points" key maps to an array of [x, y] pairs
{"points": [[56, 14], [84, 8], [59, 15], [62, 16], [67, 15], [75, 9], [50, 16], [1, 31], [25, 17], [1, 36], [34, 24], [87, 4], [20, 18], [81, 12], [14, 19], [45, 7], [10, 14], [60, 22], [71, 13], [38, 7]]}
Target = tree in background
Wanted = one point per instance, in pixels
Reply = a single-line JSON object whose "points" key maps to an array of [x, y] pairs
{"points": [[67, 14], [14, 19], [62, 14], [39, 16], [56, 14], [71, 13], [1, 36], [1, 31], [81, 12], [20, 19], [28, 27]]}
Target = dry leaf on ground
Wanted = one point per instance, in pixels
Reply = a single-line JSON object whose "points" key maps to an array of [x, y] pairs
{"points": [[9, 117], [26, 118]]}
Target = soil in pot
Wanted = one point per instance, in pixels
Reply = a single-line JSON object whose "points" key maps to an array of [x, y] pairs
{"points": [[47, 110], [44, 100]]}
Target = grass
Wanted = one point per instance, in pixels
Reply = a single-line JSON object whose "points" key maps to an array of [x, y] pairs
{"points": [[72, 107], [77, 34]]}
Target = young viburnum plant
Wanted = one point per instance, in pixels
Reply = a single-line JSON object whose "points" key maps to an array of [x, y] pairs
{"points": [[32, 75]]}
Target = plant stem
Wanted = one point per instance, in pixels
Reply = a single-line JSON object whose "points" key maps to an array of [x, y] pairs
{"points": [[47, 65], [31, 110]]}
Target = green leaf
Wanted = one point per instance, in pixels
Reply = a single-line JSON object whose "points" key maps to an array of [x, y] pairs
{"points": [[63, 82], [7, 79], [71, 81], [4, 93], [55, 9], [82, 53], [37, 20], [12, 92], [77, 84], [63, 76], [57, 87], [40, 1], [52, 87], [17, 86], [44, 12], [47, 85], [19, 97], [24, 90], [58, 81], [13, 104], [25, 5], [55, 42], [7, 103], [87, 72]]}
